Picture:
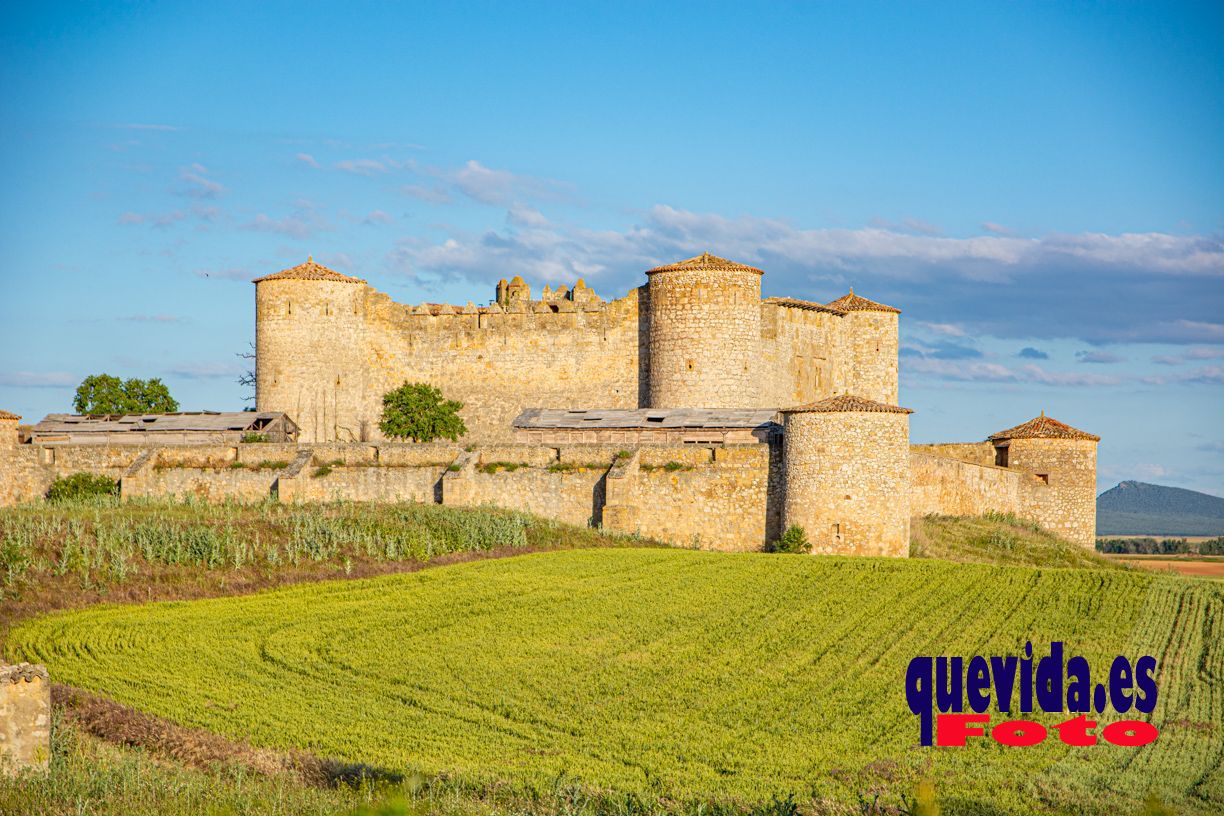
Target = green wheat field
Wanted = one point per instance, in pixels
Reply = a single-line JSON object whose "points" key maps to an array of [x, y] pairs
{"points": [[678, 676]]}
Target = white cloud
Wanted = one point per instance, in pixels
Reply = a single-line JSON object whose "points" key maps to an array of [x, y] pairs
{"points": [[521, 215], [205, 371], [305, 220], [307, 159], [1092, 286], [436, 194], [363, 167], [157, 318], [198, 184], [37, 379], [377, 217], [949, 329]]}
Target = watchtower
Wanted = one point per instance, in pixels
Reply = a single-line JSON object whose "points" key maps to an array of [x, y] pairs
{"points": [[705, 332], [309, 338], [871, 348], [1061, 495], [846, 475]]}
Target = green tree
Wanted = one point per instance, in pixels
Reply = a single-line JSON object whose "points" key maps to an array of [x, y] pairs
{"points": [[101, 394], [419, 412]]}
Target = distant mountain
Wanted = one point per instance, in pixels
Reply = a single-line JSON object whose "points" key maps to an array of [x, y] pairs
{"points": [[1134, 508]]}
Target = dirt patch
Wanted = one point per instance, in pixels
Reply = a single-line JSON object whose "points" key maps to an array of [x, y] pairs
{"points": [[123, 725], [1191, 567]]}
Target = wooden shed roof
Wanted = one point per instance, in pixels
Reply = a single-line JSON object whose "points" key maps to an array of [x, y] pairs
{"points": [[711, 418], [151, 423]]}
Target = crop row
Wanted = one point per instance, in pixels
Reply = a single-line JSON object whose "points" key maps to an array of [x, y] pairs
{"points": [[672, 674]]}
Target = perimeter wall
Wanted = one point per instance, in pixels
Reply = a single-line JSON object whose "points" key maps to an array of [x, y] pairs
{"points": [[708, 496]]}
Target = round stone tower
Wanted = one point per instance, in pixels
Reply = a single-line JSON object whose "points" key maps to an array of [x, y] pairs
{"points": [[308, 352], [1060, 490], [846, 475], [705, 330], [871, 348]]}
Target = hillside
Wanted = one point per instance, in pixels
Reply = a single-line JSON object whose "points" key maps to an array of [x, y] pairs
{"points": [[999, 539], [665, 675], [1138, 508]]}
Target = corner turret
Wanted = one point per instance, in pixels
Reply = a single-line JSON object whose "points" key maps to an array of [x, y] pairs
{"points": [[1061, 495]]}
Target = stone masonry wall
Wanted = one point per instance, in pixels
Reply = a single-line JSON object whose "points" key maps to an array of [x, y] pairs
{"points": [[25, 718], [947, 486], [979, 453], [868, 363], [800, 354], [705, 335], [847, 481], [1063, 497]]}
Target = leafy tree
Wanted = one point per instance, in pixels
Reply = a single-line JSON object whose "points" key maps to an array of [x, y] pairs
{"points": [[419, 412], [101, 394]]}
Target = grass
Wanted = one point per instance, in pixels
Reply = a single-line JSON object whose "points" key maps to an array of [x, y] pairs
{"points": [[664, 675], [91, 776], [998, 538], [71, 554]]}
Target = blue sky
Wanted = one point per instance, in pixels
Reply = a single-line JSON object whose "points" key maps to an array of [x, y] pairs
{"points": [[1040, 187]]}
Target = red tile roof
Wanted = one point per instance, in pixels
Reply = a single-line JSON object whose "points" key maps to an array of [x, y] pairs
{"points": [[846, 403], [705, 261], [1043, 427], [854, 303], [8, 415], [810, 305], [309, 271]]}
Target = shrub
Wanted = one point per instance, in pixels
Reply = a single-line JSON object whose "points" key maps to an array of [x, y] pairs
{"points": [[101, 394], [321, 471], [794, 540], [251, 437], [419, 412], [493, 467], [82, 486]]}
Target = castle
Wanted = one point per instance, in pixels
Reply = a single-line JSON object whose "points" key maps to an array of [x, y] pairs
{"points": [[690, 410]]}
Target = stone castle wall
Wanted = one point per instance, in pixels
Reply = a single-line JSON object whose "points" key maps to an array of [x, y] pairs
{"points": [[326, 352], [953, 487], [725, 497]]}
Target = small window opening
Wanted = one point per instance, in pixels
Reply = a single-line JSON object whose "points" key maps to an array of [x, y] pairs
{"points": [[1001, 456], [1045, 477]]}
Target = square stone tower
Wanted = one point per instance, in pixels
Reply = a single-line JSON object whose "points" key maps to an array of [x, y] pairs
{"points": [[1061, 495]]}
